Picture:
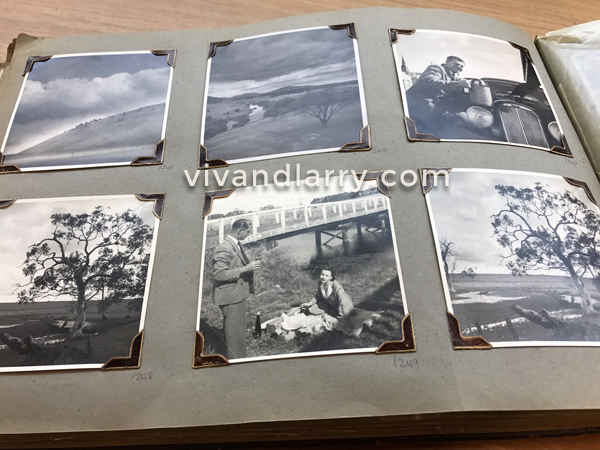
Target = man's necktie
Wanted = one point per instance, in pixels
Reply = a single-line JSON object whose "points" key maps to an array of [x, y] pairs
{"points": [[246, 260]]}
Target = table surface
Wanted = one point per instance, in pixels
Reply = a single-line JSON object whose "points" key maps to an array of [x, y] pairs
{"points": [[67, 17]]}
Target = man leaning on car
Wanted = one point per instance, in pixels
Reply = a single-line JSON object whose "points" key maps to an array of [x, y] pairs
{"points": [[434, 82]]}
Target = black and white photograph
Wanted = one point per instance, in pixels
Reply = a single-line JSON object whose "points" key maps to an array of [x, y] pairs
{"points": [[89, 110], [464, 87], [74, 280], [519, 255], [282, 94], [300, 271]]}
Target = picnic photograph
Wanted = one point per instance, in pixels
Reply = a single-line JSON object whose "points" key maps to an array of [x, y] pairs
{"points": [[300, 271], [283, 94], [89, 110], [464, 87], [74, 280], [519, 255]]}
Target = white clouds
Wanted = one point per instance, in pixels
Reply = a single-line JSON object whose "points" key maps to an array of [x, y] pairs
{"points": [[48, 109]]}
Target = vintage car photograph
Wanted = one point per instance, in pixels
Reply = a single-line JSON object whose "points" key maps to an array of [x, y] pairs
{"points": [[462, 87]]}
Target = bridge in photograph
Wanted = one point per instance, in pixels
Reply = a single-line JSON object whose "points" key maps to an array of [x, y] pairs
{"points": [[272, 224]]}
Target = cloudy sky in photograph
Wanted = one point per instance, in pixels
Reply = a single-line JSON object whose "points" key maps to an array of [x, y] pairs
{"points": [[462, 214], [63, 92], [483, 57], [23, 224], [252, 198], [301, 58]]}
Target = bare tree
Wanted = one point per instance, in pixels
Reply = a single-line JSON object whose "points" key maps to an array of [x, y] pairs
{"points": [[324, 103], [449, 260]]}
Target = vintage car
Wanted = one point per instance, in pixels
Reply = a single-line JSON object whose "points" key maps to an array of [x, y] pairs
{"points": [[493, 109]]}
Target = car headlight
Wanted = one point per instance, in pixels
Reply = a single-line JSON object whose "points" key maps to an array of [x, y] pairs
{"points": [[480, 117], [554, 130]]}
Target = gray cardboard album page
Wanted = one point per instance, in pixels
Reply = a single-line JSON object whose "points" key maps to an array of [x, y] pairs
{"points": [[326, 370]]}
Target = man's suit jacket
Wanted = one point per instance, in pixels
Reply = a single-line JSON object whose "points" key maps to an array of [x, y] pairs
{"points": [[229, 284]]}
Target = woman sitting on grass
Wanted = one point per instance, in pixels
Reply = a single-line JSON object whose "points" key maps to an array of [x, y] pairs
{"points": [[336, 307]]}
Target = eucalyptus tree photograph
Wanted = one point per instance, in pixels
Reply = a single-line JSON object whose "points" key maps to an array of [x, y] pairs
{"points": [[465, 87], [281, 94], [519, 255], [300, 271], [89, 110], [74, 280]]}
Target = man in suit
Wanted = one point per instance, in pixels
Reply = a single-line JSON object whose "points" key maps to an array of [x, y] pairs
{"points": [[232, 284], [434, 82]]}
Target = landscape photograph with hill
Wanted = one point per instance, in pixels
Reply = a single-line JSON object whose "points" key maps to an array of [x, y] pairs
{"points": [[74, 278], [89, 110], [519, 254], [282, 94]]}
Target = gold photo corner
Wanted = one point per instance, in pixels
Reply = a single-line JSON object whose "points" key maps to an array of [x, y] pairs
{"points": [[32, 60], [202, 361], [414, 135], [133, 361], [212, 48], [460, 342], [407, 344], [583, 185], [376, 175], [362, 146], [159, 202], [170, 54], [564, 150], [350, 27], [205, 163], [394, 32], [210, 196], [6, 203], [156, 159]]}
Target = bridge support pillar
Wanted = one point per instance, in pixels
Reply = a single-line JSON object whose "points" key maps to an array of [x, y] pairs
{"points": [[358, 229], [318, 244], [345, 242]]}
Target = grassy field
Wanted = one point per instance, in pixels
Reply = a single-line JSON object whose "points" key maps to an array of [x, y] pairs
{"points": [[109, 338], [484, 304], [286, 127], [368, 276]]}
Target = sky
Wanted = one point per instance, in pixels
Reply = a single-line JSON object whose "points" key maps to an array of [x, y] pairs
{"points": [[24, 223], [63, 92], [483, 57], [252, 198], [263, 64], [462, 214]]}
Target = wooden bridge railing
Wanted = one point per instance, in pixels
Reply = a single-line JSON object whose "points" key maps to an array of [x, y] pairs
{"points": [[273, 222]]}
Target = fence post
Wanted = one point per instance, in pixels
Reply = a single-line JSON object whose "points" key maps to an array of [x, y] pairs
{"points": [[221, 230], [324, 209], [306, 215]]}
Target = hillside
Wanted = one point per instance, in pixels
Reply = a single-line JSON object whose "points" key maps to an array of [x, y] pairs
{"points": [[97, 140]]}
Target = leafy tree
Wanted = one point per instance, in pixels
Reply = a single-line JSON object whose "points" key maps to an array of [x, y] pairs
{"points": [[449, 260], [324, 103], [87, 254], [545, 230]]}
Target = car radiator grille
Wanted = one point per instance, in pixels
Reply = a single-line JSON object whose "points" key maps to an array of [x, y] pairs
{"points": [[522, 125]]}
